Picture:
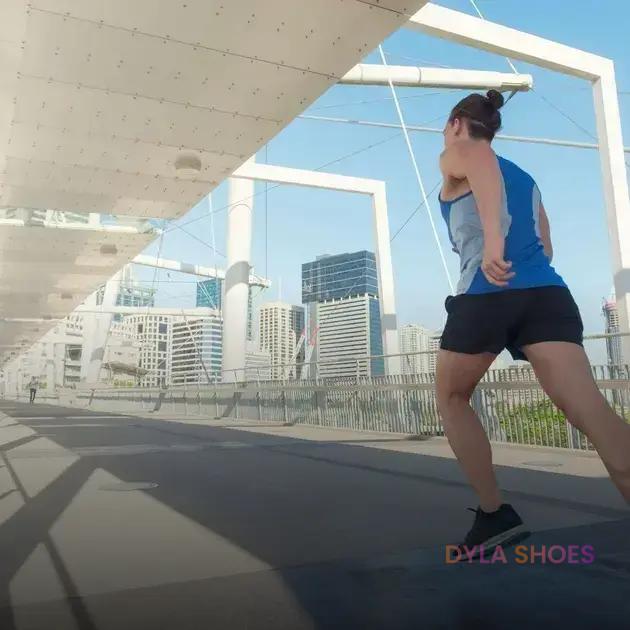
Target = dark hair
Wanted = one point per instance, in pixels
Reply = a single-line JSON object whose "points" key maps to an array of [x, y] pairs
{"points": [[481, 113]]}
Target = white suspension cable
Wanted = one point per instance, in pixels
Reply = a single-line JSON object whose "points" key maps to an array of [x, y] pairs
{"points": [[177, 226], [372, 101], [420, 128], [418, 61], [156, 270], [425, 198], [481, 15]]}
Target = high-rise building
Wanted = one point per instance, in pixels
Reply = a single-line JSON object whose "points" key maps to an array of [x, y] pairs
{"points": [[153, 332], [415, 338], [210, 295], [349, 331], [281, 326], [340, 276], [611, 326], [341, 294], [196, 348], [434, 348]]}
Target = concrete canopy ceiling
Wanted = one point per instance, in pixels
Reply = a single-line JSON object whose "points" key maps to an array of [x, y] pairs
{"points": [[99, 99], [101, 96]]}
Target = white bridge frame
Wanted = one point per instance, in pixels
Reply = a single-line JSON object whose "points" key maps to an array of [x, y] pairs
{"points": [[477, 33], [233, 331], [600, 72]]}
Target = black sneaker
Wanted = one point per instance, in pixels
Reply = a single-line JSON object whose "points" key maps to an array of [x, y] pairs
{"points": [[491, 529]]}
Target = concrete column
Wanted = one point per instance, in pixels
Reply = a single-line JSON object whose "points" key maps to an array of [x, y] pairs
{"points": [[236, 289]]}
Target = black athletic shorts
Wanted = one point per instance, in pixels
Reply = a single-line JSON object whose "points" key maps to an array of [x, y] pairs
{"points": [[490, 322]]}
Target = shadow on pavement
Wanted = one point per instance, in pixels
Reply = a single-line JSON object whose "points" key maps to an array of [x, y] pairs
{"points": [[336, 535]]}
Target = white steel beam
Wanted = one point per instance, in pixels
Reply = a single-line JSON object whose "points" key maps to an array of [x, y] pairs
{"points": [[309, 179], [96, 329], [478, 33], [450, 78], [192, 269], [146, 310]]}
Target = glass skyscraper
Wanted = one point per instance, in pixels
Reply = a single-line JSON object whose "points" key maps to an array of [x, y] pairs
{"points": [[341, 292], [339, 276], [377, 367], [209, 293]]}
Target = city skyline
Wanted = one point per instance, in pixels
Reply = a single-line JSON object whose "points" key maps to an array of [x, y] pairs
{"points": [[199, 339]]}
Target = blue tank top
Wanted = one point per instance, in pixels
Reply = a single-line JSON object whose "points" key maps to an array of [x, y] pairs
{"points": [[520, 212]]}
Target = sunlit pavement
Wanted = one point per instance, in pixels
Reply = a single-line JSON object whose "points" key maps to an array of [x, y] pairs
{"points": [[116, 522]]}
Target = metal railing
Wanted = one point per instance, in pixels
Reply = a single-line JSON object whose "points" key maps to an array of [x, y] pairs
{"points": [[348, 367], [510, 403], [353, 366]]}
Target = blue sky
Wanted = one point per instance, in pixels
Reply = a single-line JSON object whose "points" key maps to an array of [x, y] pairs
{"points": [[294, 225]]}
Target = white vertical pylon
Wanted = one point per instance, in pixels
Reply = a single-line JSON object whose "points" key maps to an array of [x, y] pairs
{"points": [[385, 275], [49, 350], [615, 185], [96, 328], [236, 290]]}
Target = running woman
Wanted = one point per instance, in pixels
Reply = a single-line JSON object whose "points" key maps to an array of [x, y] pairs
{"points": [[508, 296]]}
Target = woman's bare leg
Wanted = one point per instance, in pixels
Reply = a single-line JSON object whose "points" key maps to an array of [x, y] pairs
{"points": [[457, 376], [565, 374]]}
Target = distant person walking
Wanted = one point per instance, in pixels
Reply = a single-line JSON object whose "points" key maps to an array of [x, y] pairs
{"points": [[33, 384]]}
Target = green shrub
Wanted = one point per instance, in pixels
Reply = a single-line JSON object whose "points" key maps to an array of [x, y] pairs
{"points": [[534, 423]]}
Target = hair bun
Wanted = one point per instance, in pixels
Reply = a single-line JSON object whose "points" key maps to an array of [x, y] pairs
{"points": [[496, 98]]}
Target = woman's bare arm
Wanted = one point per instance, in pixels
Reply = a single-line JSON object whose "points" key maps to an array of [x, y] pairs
{"points": [[477, 163], [545, 232]]}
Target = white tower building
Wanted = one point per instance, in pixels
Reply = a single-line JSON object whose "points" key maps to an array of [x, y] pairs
{"points": [[280, 326]]}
